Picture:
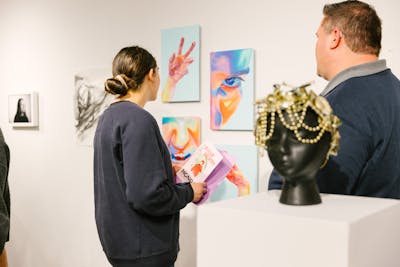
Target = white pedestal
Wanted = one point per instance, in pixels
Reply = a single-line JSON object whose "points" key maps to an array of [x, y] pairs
{"points": [[258, 231]]}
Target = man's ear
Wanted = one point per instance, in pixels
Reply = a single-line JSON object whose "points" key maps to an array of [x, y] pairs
{"points": [[336, 38]]}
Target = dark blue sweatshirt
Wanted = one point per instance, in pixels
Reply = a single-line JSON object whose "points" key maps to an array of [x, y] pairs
{"points": [[137, 202]]}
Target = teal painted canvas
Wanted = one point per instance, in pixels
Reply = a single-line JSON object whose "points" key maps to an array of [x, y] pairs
{"points": [[243, 178], [180, 64], [232, 89]]}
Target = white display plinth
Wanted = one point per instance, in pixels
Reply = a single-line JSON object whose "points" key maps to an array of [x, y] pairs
{"points": [[258, 231]]}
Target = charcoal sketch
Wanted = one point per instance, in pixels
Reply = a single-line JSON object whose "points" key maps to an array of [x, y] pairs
{"points": [[90, 100]]}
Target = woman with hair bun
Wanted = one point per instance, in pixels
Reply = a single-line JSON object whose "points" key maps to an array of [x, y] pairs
{"points": [[137, 202]]}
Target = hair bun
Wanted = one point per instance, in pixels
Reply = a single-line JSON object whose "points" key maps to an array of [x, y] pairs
{"points": [[116, 85], [121, 80]]}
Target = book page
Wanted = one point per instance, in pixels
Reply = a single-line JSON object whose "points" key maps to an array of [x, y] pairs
{"points": [[200, 164]]}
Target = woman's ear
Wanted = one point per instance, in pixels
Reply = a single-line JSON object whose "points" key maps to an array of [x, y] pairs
{"points": [[152, 74]]}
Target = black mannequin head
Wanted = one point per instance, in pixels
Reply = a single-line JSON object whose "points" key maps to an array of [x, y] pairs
{"points": [[298, 162], [300, 132], [293, 159]]}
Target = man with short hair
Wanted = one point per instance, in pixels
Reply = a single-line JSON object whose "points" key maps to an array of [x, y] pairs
{"points": [[365, 95]]}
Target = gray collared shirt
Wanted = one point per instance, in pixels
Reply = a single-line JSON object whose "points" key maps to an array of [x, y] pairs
{"points": [[355, 71]]}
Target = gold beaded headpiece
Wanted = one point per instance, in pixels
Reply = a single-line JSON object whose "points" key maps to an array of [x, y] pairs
{"points": [[295, 103]]}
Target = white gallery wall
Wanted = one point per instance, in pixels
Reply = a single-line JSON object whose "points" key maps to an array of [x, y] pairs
{"points": [[43, 43]]}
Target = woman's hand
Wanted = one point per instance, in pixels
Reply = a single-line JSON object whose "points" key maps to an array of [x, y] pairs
{"points": [[176, 166], [199, 189]]}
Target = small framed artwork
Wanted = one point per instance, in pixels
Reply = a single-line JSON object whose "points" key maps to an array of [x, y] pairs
{"points": [[23, 110]]}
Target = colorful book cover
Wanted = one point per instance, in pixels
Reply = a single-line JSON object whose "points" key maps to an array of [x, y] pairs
{"points": [[200, 165]]}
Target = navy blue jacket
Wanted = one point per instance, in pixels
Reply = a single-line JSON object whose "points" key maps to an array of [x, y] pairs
{"points": [[137, 202], [368, 162]]}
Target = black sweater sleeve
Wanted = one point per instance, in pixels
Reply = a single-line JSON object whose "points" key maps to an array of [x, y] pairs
{"points": [[150, 187], [4, 195]]}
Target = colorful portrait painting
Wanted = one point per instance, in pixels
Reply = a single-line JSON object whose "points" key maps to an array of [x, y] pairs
{"points": [[232, 89], [180, 66], [242, 180], [182, 136]]}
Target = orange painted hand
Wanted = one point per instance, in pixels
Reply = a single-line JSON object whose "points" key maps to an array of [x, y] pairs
{"points": [[178, 63], [236, 177], [177, 68]]}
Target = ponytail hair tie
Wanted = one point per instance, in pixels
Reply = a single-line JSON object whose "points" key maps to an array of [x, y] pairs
{"points": [[121, 80]]}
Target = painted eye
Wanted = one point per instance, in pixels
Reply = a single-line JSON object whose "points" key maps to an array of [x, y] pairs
{"points": [[232, 82]]}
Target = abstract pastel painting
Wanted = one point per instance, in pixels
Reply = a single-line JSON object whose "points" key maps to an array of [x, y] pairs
{"points": [[182, 136], [232, 89], [180, 64], [242, 180]]}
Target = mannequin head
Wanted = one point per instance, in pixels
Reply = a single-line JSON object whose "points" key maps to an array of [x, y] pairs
{"points": [[299, 132], [293, 159]]}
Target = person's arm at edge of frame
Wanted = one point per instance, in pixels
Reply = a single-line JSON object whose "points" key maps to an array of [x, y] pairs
{"points": [[4, 217]]}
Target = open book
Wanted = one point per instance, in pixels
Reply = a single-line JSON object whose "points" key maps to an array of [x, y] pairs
{"points": [[200, 165]]}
